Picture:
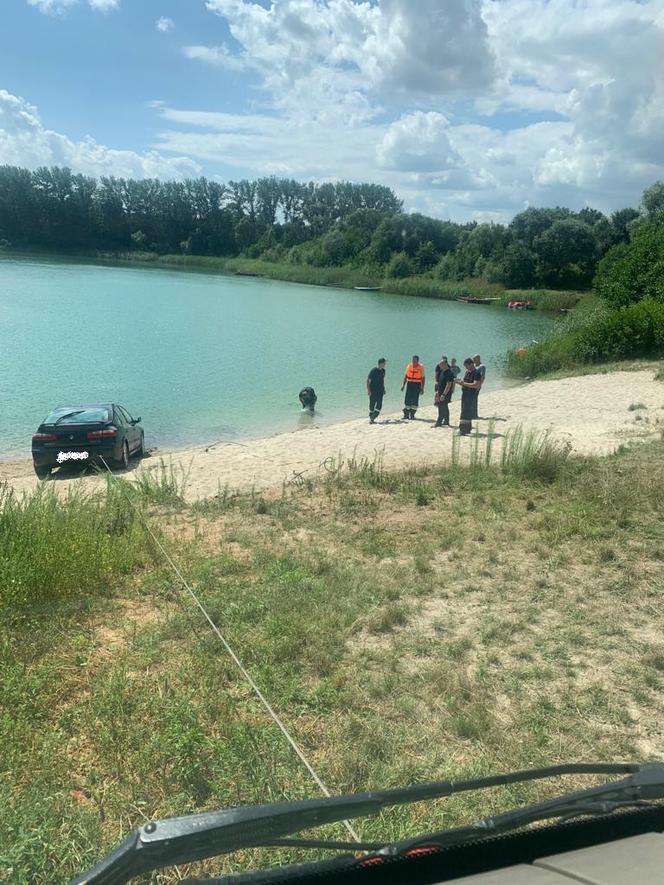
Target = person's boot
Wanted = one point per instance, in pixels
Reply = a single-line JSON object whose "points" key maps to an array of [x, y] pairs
{"points": [[406, 413], [412, 414]]}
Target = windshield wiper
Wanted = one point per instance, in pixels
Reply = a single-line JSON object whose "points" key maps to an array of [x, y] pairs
{"points": [[68, 415], [185, 839]]}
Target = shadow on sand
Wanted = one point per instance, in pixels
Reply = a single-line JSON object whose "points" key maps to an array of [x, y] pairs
{"points": [[72, 470]]}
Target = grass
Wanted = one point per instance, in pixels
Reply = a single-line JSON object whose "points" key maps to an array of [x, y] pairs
{"points": [[160, 484], [54, 548], [435, 622]]}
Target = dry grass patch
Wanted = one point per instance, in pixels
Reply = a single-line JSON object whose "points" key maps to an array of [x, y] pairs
{"points": [[407, 627]]}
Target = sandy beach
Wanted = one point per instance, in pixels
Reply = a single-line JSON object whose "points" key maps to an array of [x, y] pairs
{"points": [[592, 412]]}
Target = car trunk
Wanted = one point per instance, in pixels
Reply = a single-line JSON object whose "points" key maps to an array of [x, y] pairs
{"points": [[74, 437], [74, 434]]}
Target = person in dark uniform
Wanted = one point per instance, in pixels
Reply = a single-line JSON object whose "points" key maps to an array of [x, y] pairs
{"points": [[376, 389], [481, 368], [413, 381], [308, 398], [444, 391], [471, 384]]}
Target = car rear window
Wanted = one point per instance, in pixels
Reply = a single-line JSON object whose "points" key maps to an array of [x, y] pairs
{"points": [[80, 415]]}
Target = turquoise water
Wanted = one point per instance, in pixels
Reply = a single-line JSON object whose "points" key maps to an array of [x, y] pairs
{"points": [[203, 357]]}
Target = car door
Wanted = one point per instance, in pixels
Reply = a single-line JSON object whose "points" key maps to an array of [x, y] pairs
{"points": [[132, 432], [124, 428]]}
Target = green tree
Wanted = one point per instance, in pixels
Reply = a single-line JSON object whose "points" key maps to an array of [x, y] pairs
{"points": [[426, 257], [400, 266], [519, 266], [567, 254], [652, 199], [532, 222], [620, 224], [634, 271], [334, 247]]}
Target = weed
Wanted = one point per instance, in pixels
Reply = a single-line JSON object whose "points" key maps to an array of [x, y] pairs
{"points": [[394, 614], [533, 455], [261, 507], [54, 547], [161, 484]]}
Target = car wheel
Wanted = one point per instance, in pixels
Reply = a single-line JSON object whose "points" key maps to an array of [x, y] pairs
{"points": [[42, 472], [123, 463], [140, 451]]}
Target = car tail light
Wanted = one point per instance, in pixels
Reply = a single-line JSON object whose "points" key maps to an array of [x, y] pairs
{"points": [[103, 434], [44, 437]]}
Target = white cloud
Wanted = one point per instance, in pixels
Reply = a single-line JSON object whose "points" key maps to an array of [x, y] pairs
{"points": [[472, 108], [24, 141], [219, 56], [429, 47], [164, 24], [418, 142], [402, 84], [61, 7], [53, 7], [103, 5], [359, 55]]}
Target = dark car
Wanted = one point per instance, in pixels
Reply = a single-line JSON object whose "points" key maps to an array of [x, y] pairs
{"points": [[86, 433]]}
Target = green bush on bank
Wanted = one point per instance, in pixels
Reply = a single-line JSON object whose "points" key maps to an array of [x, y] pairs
{"points": [[598, 336], [634, 271], [634, 331]]}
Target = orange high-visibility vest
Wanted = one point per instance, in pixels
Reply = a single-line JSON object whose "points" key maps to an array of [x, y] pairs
{"points": [[415, 373]]}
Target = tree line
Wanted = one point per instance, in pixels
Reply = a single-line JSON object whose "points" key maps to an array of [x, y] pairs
{"points": [[329, 224]]}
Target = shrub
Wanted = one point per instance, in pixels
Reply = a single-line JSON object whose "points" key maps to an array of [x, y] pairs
{"points": [[553, 353], [400, 266], [634, 331], [634, 271], [597, 335]]}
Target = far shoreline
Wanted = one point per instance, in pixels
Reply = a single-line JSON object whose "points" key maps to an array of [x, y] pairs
{"points": [[335, 277]]}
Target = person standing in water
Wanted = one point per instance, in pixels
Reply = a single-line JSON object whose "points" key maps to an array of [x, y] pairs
{"points": [[444, 391], [454, 368], [413, 381], [481, 368], [376, 390], [471, 384], [308, 399]]}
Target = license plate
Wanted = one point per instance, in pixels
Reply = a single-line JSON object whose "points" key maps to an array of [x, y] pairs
{"points": [[71, 456]]}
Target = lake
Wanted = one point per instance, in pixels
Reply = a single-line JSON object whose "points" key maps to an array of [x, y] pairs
{"points": [[202, 357]]}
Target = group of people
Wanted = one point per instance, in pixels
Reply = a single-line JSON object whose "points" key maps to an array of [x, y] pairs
{"points": [[447, 378]]}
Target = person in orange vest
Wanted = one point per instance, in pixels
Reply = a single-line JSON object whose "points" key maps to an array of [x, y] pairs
{"points": [[413, 381]]}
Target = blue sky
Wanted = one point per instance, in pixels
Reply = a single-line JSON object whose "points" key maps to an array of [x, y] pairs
{"points": [[93, 73], [467, 108]]}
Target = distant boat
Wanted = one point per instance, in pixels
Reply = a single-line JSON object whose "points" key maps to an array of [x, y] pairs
{"points": [[470, 300], [367, 288]]}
